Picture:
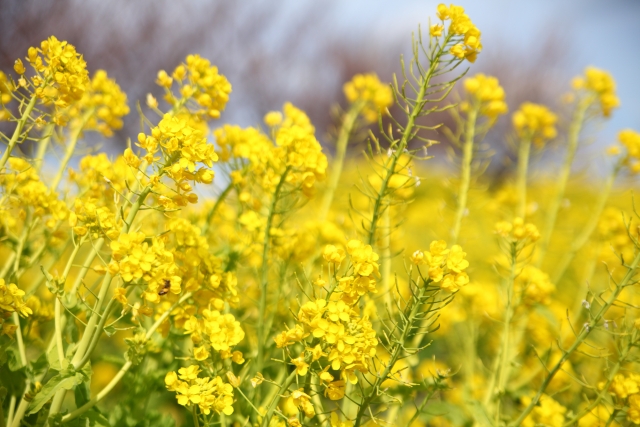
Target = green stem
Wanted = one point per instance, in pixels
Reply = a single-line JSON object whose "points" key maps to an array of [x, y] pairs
{"points": [[17, 133], [504, 358], [42, 146], [58, 303], [407, 135], [465, 173], [12, 407], [116, 379], [612, 417], [86, 266], [521, 180], [264, 271], [563, 178], [274, 400], [214, 209], [90, 329], [584, 333], [348, 124], [194, 412], [21, 348], [409, 316], [70, 149], [579, 242]]}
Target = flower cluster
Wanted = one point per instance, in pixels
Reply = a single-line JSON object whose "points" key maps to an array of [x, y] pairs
{"points": [[208, 393], [98, 221], [99, 178], [365, 270], [25, 189], [602, 85], [5, 96], [547, 413], [627, 387], [200, 81], [535, 122], [104, 103], [11, 299], [488, 93], [183, 147], [61, 74], [631, 141], [202, 272], [445, 266], [534, 285], [214, 330], [135, 258], [247, 144], [624, 386], [347, 340], [374, 96], [302, 401], [461, 28], [517, 231], [297, 150]]}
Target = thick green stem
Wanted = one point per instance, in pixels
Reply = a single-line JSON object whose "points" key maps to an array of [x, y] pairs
{"points": [[584, 333], [563, 178], [579, 242], [465, 173], [90, 329], [116, 379], [521, 180], [17, 133], [348, 123]]}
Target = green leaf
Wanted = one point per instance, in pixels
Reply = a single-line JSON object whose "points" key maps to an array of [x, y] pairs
{"points": [[14, 361], [14, 381], [65, 379], [81, 394], [479, 414], [54, 360], [3, 394], [109, 330], [38, 366]]}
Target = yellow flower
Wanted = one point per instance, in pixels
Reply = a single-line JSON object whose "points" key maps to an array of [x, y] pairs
{"points": [[534, 285], [536, 122], [375, 96], [335, 390], [11, 299], [436, 30], [333, 255], [488, 92], [108, 101], [302, 401], [61, 75], [548, 412], [302, 367], [273, 118], [602, 85], [18, 66], [517, 231]]}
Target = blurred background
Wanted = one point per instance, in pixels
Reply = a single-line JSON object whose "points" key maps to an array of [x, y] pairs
{"points": [[303, 51]]}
